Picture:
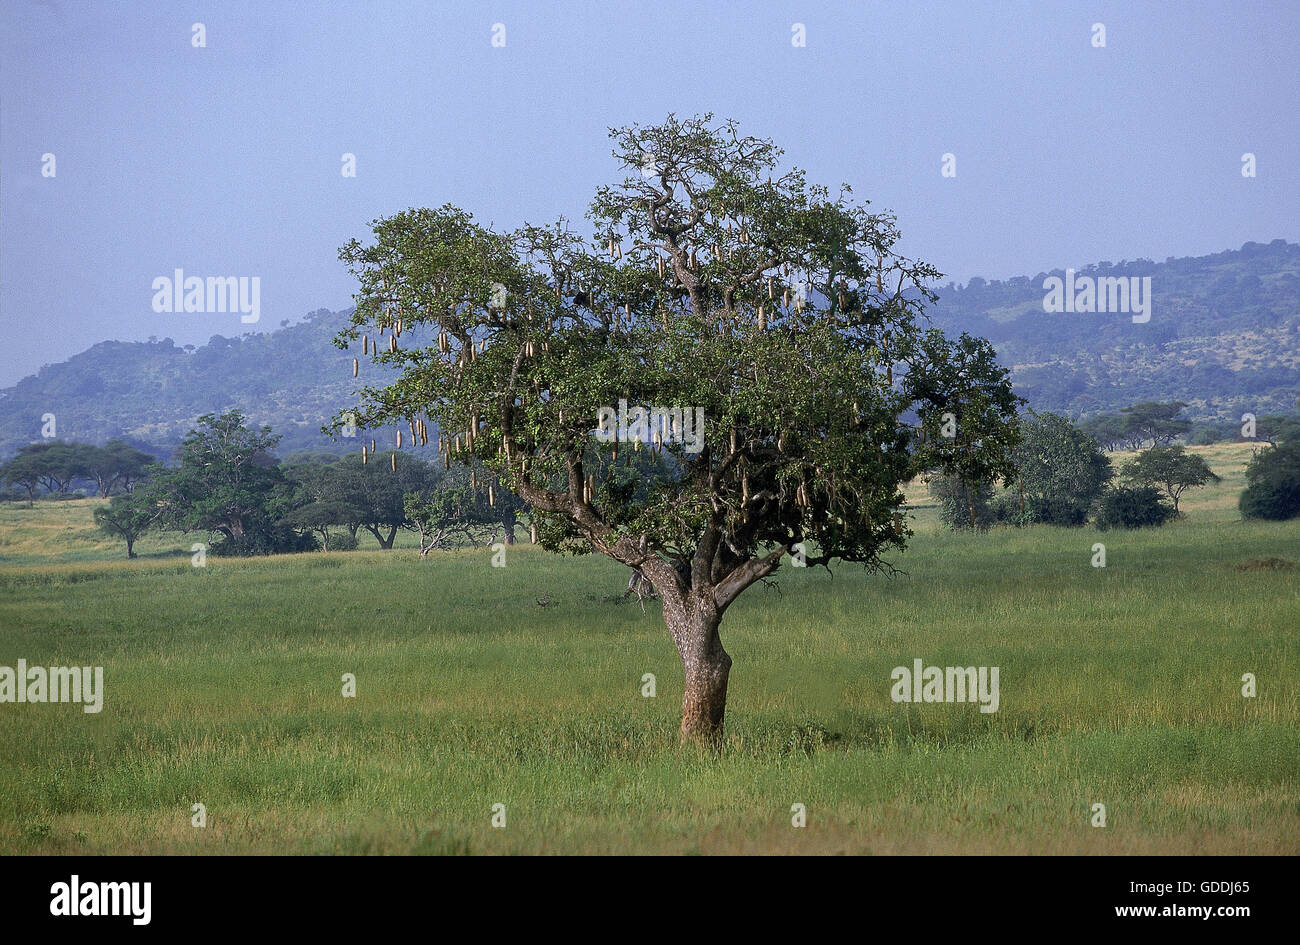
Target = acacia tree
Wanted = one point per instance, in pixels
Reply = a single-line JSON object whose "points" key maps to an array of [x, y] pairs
{"points": [[23, 470], [1170, 468], [371, 493], [714, 282], [1154, 422], [114, 464], [55, 464], [127, 517]]}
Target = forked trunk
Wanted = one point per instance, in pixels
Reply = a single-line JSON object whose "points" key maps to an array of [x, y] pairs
{"points": [[384, 543]]}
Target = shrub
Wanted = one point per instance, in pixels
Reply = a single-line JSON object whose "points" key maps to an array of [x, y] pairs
{"points": [[1273, 484], [1005, 510], [275, 540], [1132, 507], [1057, 510], [959, 501], [343, 540]]}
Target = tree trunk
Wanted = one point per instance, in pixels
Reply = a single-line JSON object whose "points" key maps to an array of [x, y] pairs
{"points": [[508, 520], [385, 544], [694, 628], [130, 548]]}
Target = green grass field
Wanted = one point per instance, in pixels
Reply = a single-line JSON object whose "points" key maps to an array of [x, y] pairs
{"points": [[1119, 686]]}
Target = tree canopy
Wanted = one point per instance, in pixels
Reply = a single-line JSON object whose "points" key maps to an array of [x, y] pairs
{"points": [[228, 482], [716, 285], [1061, 470], [1170, 468]]}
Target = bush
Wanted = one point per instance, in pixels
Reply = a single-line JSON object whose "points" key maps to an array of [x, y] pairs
{"points": [[956, 498], [1273, 484], [1005, 510], [1133, 507], [1057, 510], [343, 540], [1213, 431], [276, 540]]}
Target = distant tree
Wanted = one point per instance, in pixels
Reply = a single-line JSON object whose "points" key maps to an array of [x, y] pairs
{"points": [[128, 517], [962, 504], [1278, 428], [227, 482], [1170, 468], [1107, 429], [982, 448], [1155, 423], [448, 510], [373, 492], [320, 517], [1273, 484], [505, 507], [115, 464], [24, 471], [326, 493], [55, 463], [1206, 432], [1061, 470]]}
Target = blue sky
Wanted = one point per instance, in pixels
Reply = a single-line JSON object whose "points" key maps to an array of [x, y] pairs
{"points": [[225, 160]]}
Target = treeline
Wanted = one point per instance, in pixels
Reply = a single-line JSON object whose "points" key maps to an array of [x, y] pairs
{"points": [[58, 468], [227, 483], [1158, 424], [1062, 475]]}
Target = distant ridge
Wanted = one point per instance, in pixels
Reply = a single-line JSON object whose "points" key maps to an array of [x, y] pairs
{"points": [[1224, 337]]}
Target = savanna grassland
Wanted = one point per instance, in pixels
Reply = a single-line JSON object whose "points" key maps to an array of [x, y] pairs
{"points": [[522, 686]]}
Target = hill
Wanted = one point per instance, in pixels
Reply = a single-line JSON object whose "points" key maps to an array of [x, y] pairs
{"points": [[151, 392], [1224, 336]]}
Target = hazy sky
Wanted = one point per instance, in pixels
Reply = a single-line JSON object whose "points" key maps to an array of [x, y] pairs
{"points": [[226, 160]]}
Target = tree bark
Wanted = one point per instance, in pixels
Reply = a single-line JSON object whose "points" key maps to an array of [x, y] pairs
{"points": [[694, 623]]}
